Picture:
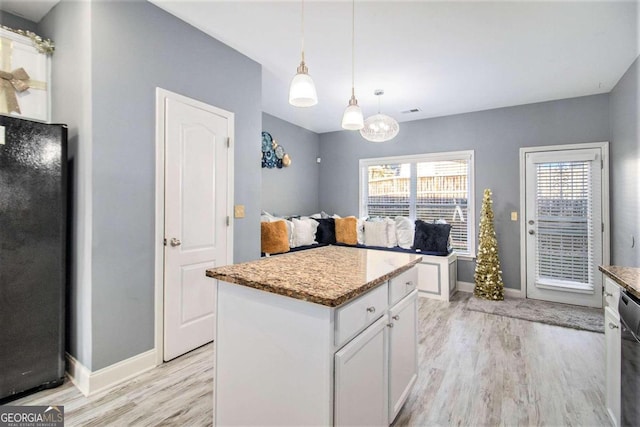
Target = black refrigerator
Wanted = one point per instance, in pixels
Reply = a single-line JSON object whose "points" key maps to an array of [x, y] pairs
{"points": [[33, 173]]}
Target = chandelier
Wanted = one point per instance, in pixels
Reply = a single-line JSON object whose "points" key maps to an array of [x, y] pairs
{"points": [[379, 127]]}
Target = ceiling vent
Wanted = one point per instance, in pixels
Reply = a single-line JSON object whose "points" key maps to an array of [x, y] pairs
{"points": [[413, 110]]}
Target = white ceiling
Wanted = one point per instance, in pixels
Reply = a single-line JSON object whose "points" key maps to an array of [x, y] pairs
{"points": [[33, 10], [441, 57]]}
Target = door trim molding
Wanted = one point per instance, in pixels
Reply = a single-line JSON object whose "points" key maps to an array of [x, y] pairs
{"points": [[606, 249], [161, 96]]}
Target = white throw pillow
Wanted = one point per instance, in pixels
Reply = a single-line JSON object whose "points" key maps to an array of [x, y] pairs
{"points": [[360, 230], [304, 232], [315, 215], [392, 239], [375, 234], [405, 231]]}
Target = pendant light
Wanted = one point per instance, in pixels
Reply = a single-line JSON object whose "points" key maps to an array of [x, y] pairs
{"points": [[379, 127], [302, 92], [352, 118]]}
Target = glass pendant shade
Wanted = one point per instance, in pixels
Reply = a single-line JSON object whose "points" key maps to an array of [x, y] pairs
{"points": [[352, 119], [379, 128], [302, 92]]}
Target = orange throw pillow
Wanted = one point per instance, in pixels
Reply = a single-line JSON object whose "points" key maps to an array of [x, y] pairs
{"points": [[274, 238], [347, 230]]}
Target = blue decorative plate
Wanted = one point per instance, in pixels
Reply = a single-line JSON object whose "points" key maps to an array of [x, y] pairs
{"points": [[266, 141]]}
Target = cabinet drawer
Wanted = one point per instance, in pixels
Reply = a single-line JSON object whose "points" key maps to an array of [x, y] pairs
{"points": [[611, 294], [402, 285], [360, 313]]}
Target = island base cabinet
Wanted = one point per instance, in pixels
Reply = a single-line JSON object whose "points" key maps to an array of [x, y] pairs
{"points": [[403, 355], [361, 372]]}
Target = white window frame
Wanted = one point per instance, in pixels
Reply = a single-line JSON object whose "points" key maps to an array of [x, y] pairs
{"points": [[468, 155]]}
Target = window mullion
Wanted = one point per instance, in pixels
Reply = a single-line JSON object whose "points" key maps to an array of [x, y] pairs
{"points": [[413, 190]]}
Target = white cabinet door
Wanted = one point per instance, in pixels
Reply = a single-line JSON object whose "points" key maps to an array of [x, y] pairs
{"points": [[612, 350], [361, 386], [403, 352]]}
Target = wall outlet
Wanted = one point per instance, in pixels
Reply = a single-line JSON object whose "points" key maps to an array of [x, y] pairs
{"points": [[1, 135], [238, 211], [514, 216]]}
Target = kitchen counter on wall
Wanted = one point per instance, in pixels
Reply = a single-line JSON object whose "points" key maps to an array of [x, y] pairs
{"points": [[330, 275], [626, 277]]}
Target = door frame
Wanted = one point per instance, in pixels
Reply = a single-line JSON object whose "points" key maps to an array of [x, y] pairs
{"points": [[161, 96], [606, 249]]}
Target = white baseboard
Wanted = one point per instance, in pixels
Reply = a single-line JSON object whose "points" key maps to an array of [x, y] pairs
{"points": [[468, 287], [92, 382]]}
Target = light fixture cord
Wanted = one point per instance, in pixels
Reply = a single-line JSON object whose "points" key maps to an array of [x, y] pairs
{"points": [[353, 49], [302, 29]]}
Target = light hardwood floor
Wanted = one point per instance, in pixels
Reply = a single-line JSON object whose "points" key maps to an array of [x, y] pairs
{"points": [[475, 369]]}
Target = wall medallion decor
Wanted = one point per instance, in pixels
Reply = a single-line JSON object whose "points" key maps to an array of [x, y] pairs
{"points": [[25, 73], [273, 154]]}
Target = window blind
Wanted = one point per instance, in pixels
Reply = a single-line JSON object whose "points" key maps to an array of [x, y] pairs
{"points": [[564, 224], [389, 190]]}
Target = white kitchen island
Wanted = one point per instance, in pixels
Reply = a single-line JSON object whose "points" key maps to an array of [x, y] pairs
{"points": [[325, 336]]}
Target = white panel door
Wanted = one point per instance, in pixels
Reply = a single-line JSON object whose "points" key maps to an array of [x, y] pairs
{"points": [[196, 207], [564, 228], [361, 368], [403, 352]]}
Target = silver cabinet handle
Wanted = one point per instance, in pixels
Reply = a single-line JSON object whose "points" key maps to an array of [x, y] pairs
{"points": [[409, 283], [608, 294], [531, 232], [396, 317], [371, 309], [175, 242], [390, 325], [612, 326]]}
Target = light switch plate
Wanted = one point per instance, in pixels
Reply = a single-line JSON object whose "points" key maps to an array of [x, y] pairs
{"points": [[514, 216], [1, 135], [238, 211]]}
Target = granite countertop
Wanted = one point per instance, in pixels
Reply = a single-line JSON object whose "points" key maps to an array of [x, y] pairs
{"points": [[330, 275], [627, 277]]}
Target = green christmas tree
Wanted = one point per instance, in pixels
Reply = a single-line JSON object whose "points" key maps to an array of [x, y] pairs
{"points": [[488, 276]]}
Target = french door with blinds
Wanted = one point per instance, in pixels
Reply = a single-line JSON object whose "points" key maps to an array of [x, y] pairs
{"points": [[564, 226]]}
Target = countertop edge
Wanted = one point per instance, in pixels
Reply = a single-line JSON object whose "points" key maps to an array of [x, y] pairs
{"points": [[610, 271], [304, 296]]}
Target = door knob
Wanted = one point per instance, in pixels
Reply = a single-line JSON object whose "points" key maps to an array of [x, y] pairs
{"points": [[371, 309], [531, 222], [531, 232], [396, 317], [175, 242]]}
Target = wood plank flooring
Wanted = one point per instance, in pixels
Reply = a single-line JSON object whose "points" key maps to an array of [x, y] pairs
{"points": [[475, 369]]}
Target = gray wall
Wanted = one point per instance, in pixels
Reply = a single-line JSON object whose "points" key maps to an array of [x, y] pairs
{"points": [[294, 189], [17, 22], [69, 26], [625, 167], [495, 135], [134, 48]]}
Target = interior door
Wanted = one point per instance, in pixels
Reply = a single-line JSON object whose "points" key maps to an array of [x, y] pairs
{"points": [[564, 228], [196, 206]]}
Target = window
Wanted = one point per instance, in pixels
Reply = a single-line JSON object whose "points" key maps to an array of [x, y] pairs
{"points": [[429, 187]]}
